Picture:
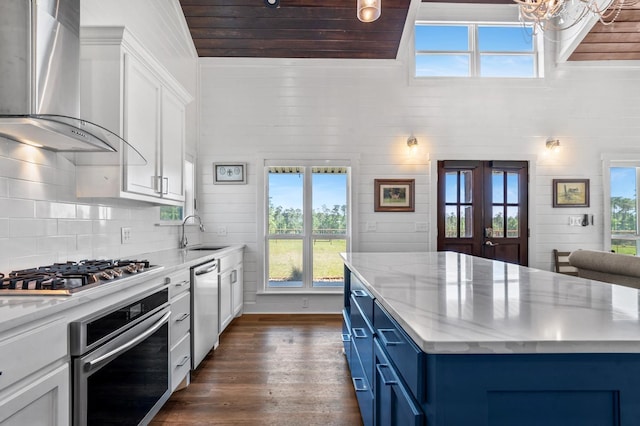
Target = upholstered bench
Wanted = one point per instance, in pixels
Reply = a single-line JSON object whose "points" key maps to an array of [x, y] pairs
{"points": [[608, 267]]}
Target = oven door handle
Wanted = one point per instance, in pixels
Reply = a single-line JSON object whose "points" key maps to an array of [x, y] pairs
{"points": [[92, 365]]}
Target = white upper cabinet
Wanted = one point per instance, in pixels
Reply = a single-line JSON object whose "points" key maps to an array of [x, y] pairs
{"points": [[125, 89]]}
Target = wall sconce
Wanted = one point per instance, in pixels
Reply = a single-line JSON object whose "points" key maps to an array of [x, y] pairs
{"points": [[368, 10], [412, 143], [272, 3], [553, 145]]}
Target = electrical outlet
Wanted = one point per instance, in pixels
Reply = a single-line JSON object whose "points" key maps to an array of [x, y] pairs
{"points": [[421, 226], [575, 220], [371, 226], [305, 302], [222, 231], [125, 235]]}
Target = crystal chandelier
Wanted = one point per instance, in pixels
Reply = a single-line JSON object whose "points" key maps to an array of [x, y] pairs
{"points": [[564, 14]]}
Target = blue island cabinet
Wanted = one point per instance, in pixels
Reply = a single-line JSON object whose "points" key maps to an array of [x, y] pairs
{"points": [[399, 384], [383, 395]]}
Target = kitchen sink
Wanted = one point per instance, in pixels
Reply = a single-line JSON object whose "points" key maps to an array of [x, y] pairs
{"points": [[207, 248]]}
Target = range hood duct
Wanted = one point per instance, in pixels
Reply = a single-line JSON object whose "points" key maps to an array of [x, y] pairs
{"points": [[40, 80]]}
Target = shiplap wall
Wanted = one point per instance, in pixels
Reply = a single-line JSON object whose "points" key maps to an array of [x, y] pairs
{"points": [[254, 109]]}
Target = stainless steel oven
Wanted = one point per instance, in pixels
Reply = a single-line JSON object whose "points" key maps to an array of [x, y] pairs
{"points": [[120, 362]]}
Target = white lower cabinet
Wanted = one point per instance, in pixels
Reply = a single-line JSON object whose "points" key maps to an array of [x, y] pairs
{"points": [[180, 327], [34, 376], [231, 287], [44, 401]]}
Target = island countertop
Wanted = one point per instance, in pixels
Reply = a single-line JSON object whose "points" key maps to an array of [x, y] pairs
{"points": [[452, 303]]}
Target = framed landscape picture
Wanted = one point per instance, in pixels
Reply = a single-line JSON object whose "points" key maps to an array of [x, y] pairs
{"points": [[570, 192], [394, 195]]}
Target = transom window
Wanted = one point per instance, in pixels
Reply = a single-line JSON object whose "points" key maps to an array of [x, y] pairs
{"points": [[475, 50], [307, 226]]}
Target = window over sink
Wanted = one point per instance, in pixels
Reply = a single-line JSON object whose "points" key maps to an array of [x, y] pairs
{"points": [[175, 214]]}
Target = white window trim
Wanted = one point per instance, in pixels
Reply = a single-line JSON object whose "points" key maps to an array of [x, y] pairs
{"points": [[608, 161], [348, 159], [474, 53]]}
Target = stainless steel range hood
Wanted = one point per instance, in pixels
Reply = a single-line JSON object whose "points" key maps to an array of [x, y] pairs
{"points": [[40, 79]]}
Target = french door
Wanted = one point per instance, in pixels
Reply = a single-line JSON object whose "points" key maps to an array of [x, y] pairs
{"points": [[483, 209]]}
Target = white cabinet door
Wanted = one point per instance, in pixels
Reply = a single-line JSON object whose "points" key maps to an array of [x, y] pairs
{"points": [[173, 139], [142, 94], [226, 313], [45, 401], [237, 290]]}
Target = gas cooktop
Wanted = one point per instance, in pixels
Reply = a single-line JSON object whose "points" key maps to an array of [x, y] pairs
{"points": [[69, 277]]}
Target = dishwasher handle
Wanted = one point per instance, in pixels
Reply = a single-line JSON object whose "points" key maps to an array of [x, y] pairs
{"points": [[211, 267]]}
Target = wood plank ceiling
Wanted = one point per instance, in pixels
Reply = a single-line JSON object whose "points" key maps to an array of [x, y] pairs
{"points": [[330, 29], [297, 29], [618, 41]]}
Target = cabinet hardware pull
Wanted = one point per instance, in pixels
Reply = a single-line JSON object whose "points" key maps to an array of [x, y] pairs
{"points": [[91, 365], [234, 276], [183, 317], [359, 333], [346, 338], [398, 339], [386, 381], [183, 362], [157, 187], [359, 293], [359, 384], [181, 283]]}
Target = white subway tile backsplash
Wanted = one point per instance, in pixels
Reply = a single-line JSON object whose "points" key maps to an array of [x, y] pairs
{"points": [[32, 227], [55, 210], [31, 190], [11, 207], [74, 227]]}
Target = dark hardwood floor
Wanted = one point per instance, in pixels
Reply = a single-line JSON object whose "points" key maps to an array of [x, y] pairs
{"points": [[270, 370]]}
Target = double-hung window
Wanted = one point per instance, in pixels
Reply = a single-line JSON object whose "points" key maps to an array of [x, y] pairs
{"points": [[307, 225], [476, 50]]}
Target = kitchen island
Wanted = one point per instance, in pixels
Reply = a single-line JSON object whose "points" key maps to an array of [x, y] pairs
{"points": [[450, 339]]}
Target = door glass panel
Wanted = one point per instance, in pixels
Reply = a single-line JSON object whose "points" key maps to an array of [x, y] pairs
{"points": [[465, 186], [285, 200], [497, 182], [285, 263], [451, 187], [328, 268], [513, 196], [624, 210], [497, 221], [451, 222], [466, 222], [513, 222]]}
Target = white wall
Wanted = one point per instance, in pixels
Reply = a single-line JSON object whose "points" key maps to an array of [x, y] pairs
{"points": [[253, 109], [41, 220]]}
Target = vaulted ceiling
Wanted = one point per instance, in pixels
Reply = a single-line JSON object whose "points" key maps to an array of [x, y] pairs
{"points": [[330, 29]]}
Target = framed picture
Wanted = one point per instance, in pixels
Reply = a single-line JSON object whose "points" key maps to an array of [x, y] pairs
{"points": [[570, 192], [394, 195], [229, 173]]}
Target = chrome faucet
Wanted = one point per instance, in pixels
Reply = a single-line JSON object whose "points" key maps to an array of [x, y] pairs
{"points": [[183, 239]]}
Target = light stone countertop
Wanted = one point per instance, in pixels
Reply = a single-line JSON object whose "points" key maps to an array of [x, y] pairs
{"points": [[16, 311], [452, 303]]}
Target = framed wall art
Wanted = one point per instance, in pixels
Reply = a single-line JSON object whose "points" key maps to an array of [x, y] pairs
{"points": [[394, 195], [570, 192], [229, 173]]}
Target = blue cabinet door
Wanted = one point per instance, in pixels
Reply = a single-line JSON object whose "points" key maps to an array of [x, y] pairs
{"points": [[394, 405]]}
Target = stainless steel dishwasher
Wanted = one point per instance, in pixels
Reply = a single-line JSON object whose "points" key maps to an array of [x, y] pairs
{"points": [[204, 310]]}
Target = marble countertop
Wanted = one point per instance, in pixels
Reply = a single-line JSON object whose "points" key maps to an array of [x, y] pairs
{"points": [[452, 303], [16, 311]]}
